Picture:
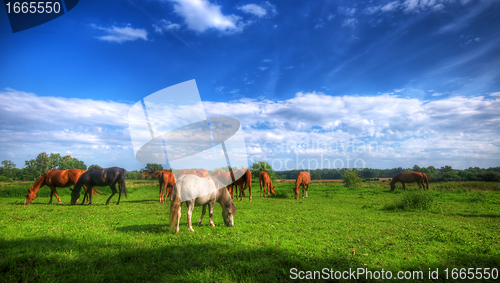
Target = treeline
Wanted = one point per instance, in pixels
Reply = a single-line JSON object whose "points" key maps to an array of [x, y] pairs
{"points": [[34, 168], [443, 174]]}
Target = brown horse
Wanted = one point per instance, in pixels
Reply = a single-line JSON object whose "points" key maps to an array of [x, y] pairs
{"points": [[55, 178], [101, 177], [244, 182], [198, 172], [265, 181], [225, 178], [303, 179], [410, 177], [166, 181]]}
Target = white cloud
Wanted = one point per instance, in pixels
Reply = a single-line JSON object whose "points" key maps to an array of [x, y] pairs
{"points": [[254, 9], [200, 15], [263, 68], [457, 131], [351, 22], [437, 94], [116, 34], [346, 11], [390, 6], [164, 25]]}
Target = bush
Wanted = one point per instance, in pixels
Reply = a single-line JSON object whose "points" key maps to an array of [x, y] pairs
{"points": [[351, 179], [5, 179], [413, 200]]}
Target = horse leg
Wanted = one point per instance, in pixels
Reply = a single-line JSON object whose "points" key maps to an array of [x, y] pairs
{"points": [[202, 214], [189, 214], [250, 193], [52, 189], [119, 192], [303, 190], [404, 188], [113, 192], [211, 212], [89, 195], [307, 188], [260, 184], [178, 219]]}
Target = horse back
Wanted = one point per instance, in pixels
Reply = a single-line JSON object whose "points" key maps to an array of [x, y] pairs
{"points": [[303, 179]]}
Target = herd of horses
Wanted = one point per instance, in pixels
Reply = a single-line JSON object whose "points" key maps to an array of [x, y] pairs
{"points": [[171, 185]]}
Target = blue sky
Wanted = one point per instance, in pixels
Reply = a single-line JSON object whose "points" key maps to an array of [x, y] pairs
{"points": [[313, 83]]}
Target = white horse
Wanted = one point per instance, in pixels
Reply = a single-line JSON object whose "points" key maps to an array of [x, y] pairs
{"points": [[196, 191]]}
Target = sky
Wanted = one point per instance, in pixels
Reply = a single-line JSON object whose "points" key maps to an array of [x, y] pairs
{"points": [[314, 84]]}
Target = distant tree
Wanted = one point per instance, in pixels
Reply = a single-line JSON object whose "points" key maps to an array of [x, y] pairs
{"points": [[96, 166], [316, 175], [351, 178], [132, 175], [153, 167], [69, 162], [416, 168], [260, 166], [8, 169], [448, 174], [55, 160]]}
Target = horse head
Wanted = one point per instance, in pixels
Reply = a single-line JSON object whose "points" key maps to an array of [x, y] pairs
{"points": [[29, 197], [228, 214], [296, 192], [272, 189]]}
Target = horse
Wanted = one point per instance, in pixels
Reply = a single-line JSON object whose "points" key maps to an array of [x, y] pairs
{"points": [[198, 172], [192, 183], [265, 181], [166, 181], [410, 177], [244, 182], [303, 179], [100, 177], [225, 178], [55, 178]]}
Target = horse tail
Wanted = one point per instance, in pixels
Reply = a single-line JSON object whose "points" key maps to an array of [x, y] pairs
{"points": [[123, 176], [175, 205], [426, 180]]}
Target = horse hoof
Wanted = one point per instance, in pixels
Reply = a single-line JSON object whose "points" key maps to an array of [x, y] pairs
{"points": [[199, 223], [191, 230], [211, 224]]}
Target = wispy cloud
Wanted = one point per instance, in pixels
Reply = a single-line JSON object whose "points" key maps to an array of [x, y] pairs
{"points": [[200, 15], [164, 25], [350, 22], [120, 35]]}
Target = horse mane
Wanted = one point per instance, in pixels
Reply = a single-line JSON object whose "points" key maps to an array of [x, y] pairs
{"points": [[38, 183]]}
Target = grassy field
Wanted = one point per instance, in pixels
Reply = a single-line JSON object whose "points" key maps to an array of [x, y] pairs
{"points": [[454, 225]]}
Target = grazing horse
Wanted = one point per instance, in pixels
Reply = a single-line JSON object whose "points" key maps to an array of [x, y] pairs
{"points": [[265, 181], [101, 177], [303, 179], [166, 180], [55, 178], [198, 172], [217, 193], [244, 182], [225, 178], [410, 177]]}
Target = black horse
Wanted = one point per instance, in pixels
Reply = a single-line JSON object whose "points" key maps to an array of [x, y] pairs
{"points": [[100, 177]]}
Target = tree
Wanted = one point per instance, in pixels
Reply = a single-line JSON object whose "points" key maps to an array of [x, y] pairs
{"points": [[351, 178], [448, 174], [7, 169], [260, 166], [69, 162], [96, 166], [153, 167], [55, 160], [316, 175]]}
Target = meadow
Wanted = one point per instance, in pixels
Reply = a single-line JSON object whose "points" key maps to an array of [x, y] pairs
{"points": [[453, 225]]}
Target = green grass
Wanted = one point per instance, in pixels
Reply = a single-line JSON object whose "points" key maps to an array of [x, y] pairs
{"points": [[336, 227]]}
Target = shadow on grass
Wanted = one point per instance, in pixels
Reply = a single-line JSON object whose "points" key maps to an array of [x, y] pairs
{"points": [[56, 259], [152, 228], [479, 215]]}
